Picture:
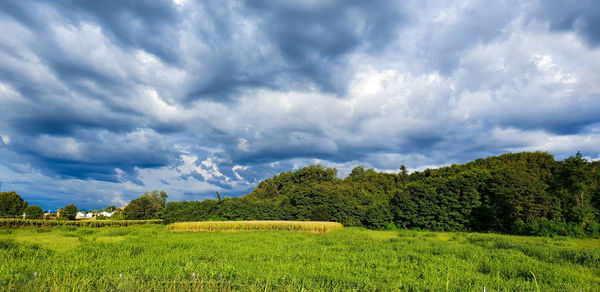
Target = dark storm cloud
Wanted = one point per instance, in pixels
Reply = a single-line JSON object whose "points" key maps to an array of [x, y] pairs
{"points": [[99, 155], [137, 24], [581, 16], [290, 46], [315, 36], [198, 96]]}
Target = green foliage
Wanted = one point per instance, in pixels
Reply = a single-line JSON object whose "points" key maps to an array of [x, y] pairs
{"points": [[69, 212], [510, 193], [34, 212], [11, 205], [437, 202], [149, 206], [117, 215], [110, 209], [545, 227]]}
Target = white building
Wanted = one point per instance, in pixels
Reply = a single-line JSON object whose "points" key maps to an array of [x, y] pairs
{"points": [[107, 214], [82, 214]]}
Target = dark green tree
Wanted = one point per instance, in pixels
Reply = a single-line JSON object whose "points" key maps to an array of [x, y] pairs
{"points": [[573, 185], [110, 208], [69, 212], [149, 206], [34, 212], [403, 175], [11, 205]]}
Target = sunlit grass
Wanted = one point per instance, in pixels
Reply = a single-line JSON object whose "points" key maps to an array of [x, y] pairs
{"points": [[149, 257], [15, 223]]}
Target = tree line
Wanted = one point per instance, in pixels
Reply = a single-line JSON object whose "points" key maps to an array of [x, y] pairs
{"points": [[148, 206], [522, 193]]}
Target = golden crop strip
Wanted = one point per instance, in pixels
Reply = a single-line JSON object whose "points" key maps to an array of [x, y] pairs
{"points": [[305, 226]]}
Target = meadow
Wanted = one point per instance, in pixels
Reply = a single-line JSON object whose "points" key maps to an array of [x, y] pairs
{"points": [[149, 256], [15, 223]]}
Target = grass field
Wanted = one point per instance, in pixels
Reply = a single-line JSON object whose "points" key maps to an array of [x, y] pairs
{"points": [[150, 257]]}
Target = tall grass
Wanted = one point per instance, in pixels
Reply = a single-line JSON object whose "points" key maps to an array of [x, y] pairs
{"points": [[306, 226], [15, 223], [149, 257]]}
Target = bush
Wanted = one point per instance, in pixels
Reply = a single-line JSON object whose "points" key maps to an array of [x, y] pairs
{"points": [[117, 215], [550, 228]]}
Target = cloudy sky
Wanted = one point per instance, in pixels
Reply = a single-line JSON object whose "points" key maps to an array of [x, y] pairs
{"points": [[102, 100]]}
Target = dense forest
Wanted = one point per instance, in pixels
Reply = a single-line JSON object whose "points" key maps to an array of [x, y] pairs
{"points": [[522, 193]]}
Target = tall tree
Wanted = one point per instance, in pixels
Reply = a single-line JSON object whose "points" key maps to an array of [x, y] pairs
{"points": [[11, 205], [69, 212], [34, 212], [149, 206]]}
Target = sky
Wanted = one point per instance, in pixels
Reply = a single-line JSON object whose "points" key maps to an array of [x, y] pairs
{"points": [[103, 100]]}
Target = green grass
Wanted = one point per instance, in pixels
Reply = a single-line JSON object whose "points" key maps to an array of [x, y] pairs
{"points": [[150, 257], [15, 223]]}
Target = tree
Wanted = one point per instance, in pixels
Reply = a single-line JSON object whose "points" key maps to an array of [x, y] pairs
{"points": [[110, 208], [149, 206], [11, 204], [34, 212], [403, 175], [573, 187], [69, 212]]}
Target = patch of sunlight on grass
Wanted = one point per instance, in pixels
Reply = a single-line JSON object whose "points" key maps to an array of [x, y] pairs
{"points": [[52, 241]]}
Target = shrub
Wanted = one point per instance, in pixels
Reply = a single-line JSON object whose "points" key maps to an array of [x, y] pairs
{"points": [[549, 228]]}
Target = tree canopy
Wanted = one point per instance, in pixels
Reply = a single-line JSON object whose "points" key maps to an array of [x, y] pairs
{"points": [[69, 211], [11, 205], [34, 212], [149, 206], [524, 193]]}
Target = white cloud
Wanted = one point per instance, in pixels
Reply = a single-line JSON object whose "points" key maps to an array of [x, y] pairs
{"points": [[235, 171], [210, 96]]}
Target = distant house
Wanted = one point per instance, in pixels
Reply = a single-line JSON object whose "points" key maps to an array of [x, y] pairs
{"points": [[82, 214], [107, 214]]}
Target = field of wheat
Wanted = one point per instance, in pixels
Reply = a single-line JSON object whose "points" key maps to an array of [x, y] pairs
{"points": [[304, 226]]}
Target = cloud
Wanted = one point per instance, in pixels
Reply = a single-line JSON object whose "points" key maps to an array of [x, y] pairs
{"points": [[578, 16], [196, 97]]}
